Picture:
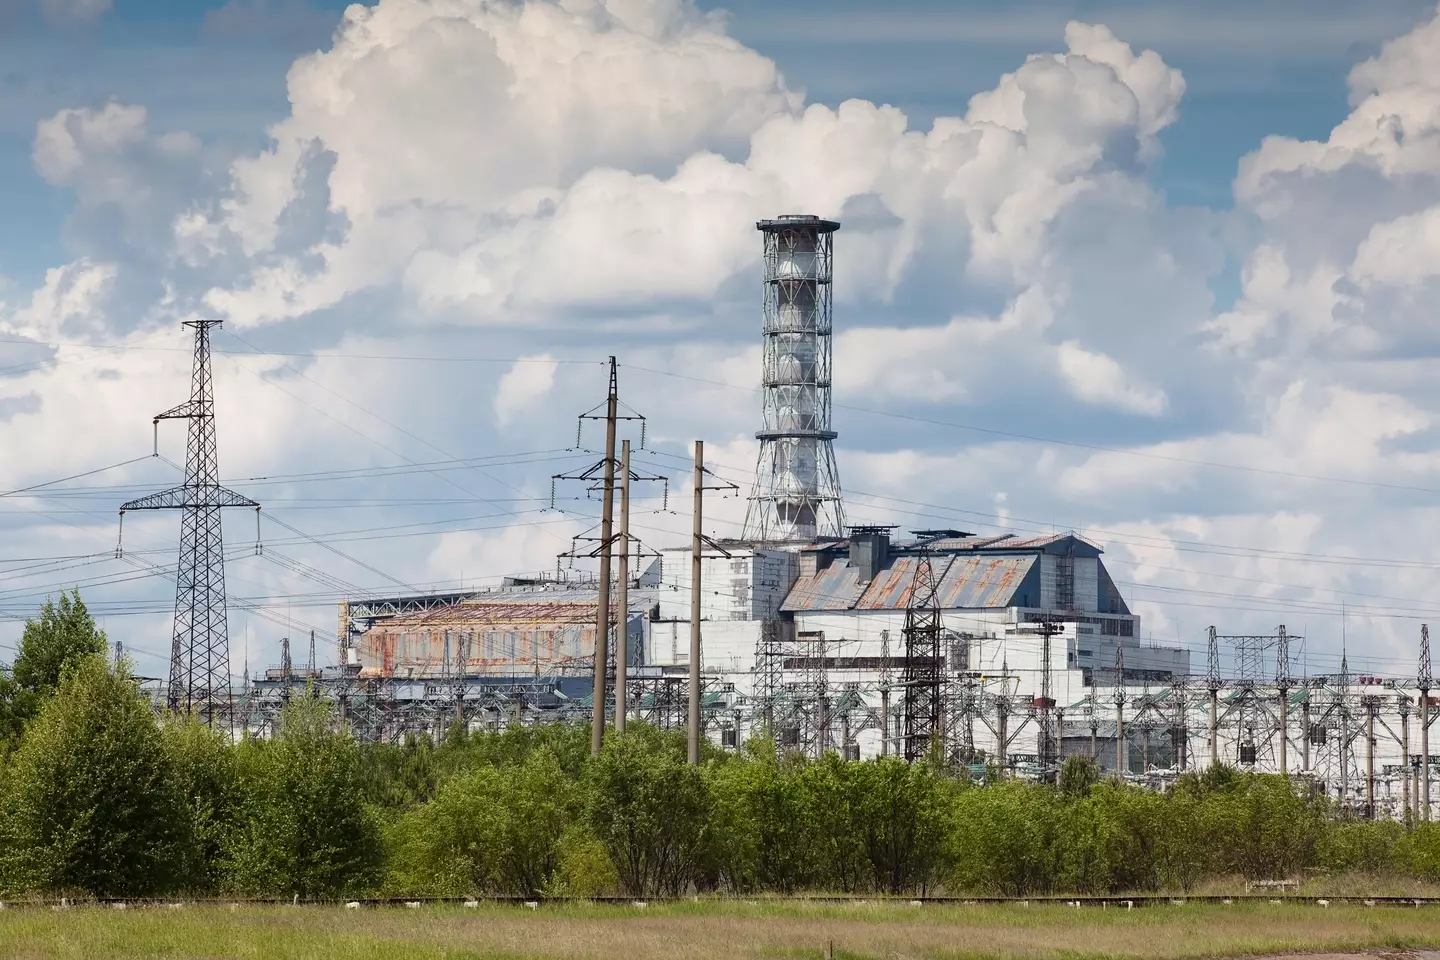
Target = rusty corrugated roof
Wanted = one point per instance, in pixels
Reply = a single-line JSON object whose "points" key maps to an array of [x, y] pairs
{"points": [[837, 587], [483, 612], [962, 582], [982, 581]]}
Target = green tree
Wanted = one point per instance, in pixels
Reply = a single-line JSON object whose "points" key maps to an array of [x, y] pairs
{"points": [[304, 827], [1077, 775], [836, 809], [90, 804], [649, 808], [63, 633], [762, 836], [12, 713], [1005, 839], [492, 830], [205, 776], [902, 823]]}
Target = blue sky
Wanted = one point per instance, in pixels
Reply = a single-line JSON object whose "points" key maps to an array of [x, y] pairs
{"points": [[1250, 74], [1089, 301]]}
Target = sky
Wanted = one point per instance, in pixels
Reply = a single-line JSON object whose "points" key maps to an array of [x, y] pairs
{"points": [[1158, 273]]}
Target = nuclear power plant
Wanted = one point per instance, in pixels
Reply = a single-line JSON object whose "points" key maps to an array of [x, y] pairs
{"points": [[1003, 652]]}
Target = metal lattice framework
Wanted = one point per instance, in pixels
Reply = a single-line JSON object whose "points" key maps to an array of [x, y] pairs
{"points": [[924, 666], [797, 486], [200, 649]]}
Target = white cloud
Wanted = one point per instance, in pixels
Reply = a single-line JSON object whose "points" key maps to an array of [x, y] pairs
{"points": [[582, 178], [529, 379], [1096, 378], [70, 304]]}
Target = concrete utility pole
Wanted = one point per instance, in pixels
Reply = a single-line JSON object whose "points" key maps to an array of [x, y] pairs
{"points": [[607, 522], [1305, 733], [1282, 680], [1213, 680], [622, 599], [1370, 757], [884, 693], [696, 546], [1408, 807], [1424, 685], [1122, 753]]}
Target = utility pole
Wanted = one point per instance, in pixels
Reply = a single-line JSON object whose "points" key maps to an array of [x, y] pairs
{"points": [[1045, 703], [622, 600], [310, 667], [1122, 752], [1305, 731], [1282, 681], [602, 616], [1370, 705], [1213, 680], [1406, 793], [285, 669], [1423, 682], [885, 680], [601, 477], [697, 548]]}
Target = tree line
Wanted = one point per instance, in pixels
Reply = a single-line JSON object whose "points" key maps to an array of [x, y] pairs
{"points": [[100, 797]]}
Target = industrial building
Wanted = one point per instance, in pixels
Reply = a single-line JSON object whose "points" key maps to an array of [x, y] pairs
{"points": [[1004, 652]]}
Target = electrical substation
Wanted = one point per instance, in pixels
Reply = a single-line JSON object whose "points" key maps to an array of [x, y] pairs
{"points": [[1002, 652]]}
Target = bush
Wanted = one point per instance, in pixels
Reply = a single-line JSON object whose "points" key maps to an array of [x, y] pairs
{"points": [[204, 775], [303, 827], [90, 799], [648, 808], [493, 830]]}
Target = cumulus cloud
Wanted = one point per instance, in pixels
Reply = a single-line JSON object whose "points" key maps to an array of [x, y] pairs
{"points": [[1096, 378], [551, 178], [700, 138], [528, 380]]}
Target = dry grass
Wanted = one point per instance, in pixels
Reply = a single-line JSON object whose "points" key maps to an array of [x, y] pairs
{"points": [[711, 931]]}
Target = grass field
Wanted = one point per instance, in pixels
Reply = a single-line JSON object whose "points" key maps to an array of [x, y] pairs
{"points": [[702, 931]]}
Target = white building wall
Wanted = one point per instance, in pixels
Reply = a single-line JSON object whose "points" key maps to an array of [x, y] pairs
{"points": [[748, 585]]}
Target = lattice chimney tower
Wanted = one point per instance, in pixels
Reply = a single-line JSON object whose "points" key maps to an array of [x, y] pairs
{"points": [[797, 486]]}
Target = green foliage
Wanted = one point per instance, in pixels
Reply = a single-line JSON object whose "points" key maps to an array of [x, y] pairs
{"points": [[399, 776], [1077, 775], [1003, 839], [204, 774], [492, 830], [91, 803], [303, 826], [648, 808], [63, 634]]}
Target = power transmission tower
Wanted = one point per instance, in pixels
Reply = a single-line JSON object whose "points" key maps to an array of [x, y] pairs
{"points": [[200, 648], [924, 668]]}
